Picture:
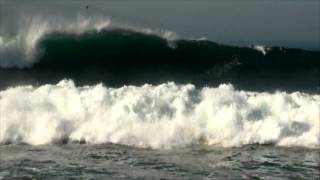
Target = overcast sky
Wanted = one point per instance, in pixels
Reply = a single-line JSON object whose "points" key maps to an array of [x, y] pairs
{"points": [[280, 22]]}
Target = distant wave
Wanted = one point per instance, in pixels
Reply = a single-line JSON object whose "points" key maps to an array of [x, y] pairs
{"points": [[164, 116], [93, 51]]}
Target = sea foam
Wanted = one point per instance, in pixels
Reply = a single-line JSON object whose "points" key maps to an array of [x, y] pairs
{"points": [[162, 117]]}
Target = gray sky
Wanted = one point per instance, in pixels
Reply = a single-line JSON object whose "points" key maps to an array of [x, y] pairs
{"points": [[275, 22]]}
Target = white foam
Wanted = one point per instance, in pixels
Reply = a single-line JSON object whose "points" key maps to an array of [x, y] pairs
{"points": [[262, 49], [163, 116], [20, 50]]}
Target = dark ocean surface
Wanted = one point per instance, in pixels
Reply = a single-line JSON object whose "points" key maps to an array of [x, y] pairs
{"points": [[111, 161]]}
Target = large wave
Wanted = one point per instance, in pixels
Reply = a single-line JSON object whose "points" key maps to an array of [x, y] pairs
{"points": [[96, 50], [22, 48], [163, 116]]}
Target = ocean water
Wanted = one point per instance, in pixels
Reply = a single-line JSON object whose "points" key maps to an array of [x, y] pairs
{"points": [[90, 99], [112, 161]]}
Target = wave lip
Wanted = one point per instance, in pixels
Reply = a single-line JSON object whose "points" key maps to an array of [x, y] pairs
{"points": [[164, 116]]}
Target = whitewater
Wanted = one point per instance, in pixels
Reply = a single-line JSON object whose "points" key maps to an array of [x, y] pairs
{"points": [[164, 116]]}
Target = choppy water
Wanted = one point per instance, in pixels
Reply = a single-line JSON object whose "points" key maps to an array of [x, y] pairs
{"points": [[110, 161]]}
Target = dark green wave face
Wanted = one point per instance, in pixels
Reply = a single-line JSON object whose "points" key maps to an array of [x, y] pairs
{"points": [[117, 57]]}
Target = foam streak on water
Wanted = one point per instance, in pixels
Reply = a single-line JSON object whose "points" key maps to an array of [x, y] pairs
{"points": [[163, 116]]}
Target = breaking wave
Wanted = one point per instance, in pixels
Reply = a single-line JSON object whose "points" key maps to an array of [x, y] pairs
{"points": [[22, 49], [90, 51], [163, 116]]}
